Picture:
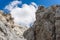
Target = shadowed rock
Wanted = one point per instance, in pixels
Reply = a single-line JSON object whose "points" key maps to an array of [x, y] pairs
{"points": [[47, 24]]}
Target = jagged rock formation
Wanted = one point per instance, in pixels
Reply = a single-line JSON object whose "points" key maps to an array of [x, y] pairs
{"points": [[9, 30], [47, 24]]}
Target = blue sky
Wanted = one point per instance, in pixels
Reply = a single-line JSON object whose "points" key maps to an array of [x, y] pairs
{"points": [[46, 3]]}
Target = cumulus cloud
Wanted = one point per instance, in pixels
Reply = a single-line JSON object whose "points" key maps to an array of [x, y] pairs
{"points": [[24, 15]]}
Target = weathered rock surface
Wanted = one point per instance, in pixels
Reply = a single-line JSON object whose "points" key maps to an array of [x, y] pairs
{"points": [[47, 24], [9, 30]]}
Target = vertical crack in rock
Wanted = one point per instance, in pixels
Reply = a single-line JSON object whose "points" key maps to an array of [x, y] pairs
{"points": [[35, 34], [54, 31]]}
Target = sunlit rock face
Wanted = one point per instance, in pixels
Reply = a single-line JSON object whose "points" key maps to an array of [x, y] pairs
{"points": [[47, 24], [9, 30]]}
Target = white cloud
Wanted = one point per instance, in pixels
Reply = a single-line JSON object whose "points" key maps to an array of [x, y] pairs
{"points": [[24, 15], [13, 5]]}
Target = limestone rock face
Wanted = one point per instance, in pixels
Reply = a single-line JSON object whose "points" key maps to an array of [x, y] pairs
{"points": [[47, 24], [9, 30]]}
